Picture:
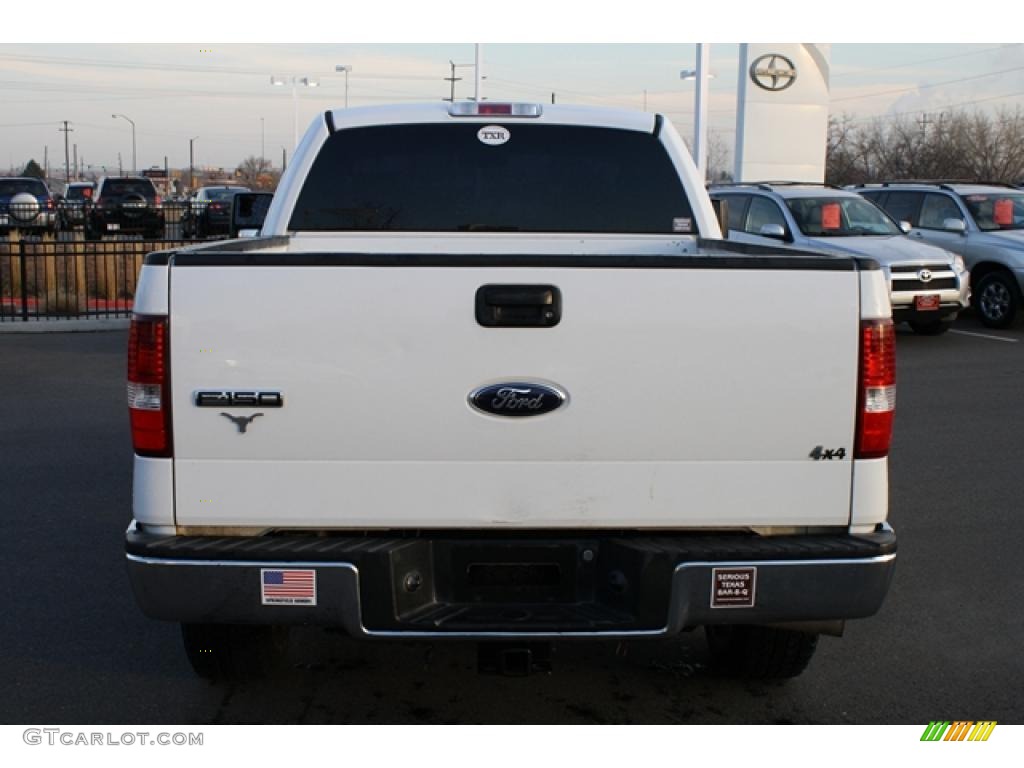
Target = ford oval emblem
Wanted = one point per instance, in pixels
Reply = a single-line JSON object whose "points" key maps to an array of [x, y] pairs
{"points": [[517, 399]]}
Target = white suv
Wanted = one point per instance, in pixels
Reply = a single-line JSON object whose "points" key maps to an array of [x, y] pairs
{"points": [[928, 286]]}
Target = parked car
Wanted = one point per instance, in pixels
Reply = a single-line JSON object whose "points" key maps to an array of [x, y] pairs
{"points": [[209, 212], [982, 222], [928, 286], [26, 205], [77, 199], [125, 205]]}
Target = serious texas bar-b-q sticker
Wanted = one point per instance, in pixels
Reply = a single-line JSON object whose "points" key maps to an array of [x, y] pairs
{"points": [[733, 587]]}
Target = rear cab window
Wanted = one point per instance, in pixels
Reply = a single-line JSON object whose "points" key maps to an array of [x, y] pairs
{"points": [[11, 187], [125, 187], [444, 178]]}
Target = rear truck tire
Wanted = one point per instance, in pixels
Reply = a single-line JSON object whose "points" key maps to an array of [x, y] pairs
{"points": [[234, 651], [759, 653], [997, 299], [930, 327]]}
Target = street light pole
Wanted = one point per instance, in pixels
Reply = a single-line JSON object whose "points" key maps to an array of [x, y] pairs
{"points": [[346, 68], [700, 107], [308, 82], [191, 165], [477, 75], [135, 167]]}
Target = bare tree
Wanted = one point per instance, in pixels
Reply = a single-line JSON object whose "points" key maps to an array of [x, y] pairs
{"points": [[948, 145], [257, 173], [719, 157]]}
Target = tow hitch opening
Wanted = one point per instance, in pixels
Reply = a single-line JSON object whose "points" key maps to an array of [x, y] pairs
{"points": [[513, 659]]}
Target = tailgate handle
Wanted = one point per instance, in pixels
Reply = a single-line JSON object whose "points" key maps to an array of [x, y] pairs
{"points": [[518, 306]]}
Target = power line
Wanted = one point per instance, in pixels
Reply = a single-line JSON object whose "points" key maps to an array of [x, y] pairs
{"points": [[893, 115], [924, 61], [198, 69], [929, 85]]}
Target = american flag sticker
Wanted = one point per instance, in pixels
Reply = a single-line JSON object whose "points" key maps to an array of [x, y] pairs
{"points": [[287, 587]]}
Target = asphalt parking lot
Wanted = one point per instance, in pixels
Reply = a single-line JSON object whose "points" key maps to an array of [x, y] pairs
{"points": [[946, 645]]}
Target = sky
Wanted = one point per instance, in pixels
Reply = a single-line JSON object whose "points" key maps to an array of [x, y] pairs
{"points": [[221, 96]]}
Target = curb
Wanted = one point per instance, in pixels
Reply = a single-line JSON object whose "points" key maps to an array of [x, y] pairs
{"points": [[66, 326]]}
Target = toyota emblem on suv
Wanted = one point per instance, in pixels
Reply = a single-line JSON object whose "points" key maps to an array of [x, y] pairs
{"points": [[925, 275], [773, 72]]}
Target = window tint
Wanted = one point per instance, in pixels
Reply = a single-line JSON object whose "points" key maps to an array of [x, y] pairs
{"points": [[123, 187], [1004, 210], [737, 210], [442, 178], [223, 194], [903, 206], [17, 186], [763, 211], [936, 209], [78, 193], [846, 216]]}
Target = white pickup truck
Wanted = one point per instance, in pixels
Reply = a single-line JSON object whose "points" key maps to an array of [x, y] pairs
{"points": [[490, 373]]}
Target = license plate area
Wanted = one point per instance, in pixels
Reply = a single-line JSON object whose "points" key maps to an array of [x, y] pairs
{"points": [[929, 303], [514, 585]]}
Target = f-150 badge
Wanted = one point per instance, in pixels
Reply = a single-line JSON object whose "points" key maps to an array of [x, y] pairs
{"points": [[238, 399], [517, 399]]}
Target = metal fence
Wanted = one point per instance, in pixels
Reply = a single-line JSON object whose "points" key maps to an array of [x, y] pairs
{"points": [[51, 279], [68, 219]]}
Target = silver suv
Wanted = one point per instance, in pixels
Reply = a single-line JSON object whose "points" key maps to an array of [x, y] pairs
{"points": [[984, 223], [928, 286]]}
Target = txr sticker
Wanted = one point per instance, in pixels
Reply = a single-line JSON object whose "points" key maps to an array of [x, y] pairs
{"points": [[733, 587], [493, 135]]}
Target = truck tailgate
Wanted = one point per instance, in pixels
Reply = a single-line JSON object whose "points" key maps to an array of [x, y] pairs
{"points": [[694, 396]]}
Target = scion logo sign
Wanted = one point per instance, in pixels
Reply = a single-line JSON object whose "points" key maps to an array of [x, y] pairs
{"points": [[517, 399], [493, 135], [773, 72]]}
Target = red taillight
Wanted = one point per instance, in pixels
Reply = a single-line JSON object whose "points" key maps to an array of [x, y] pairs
{"points": [[148, 386], [157, 201], [877, 389], [49, 203]]}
